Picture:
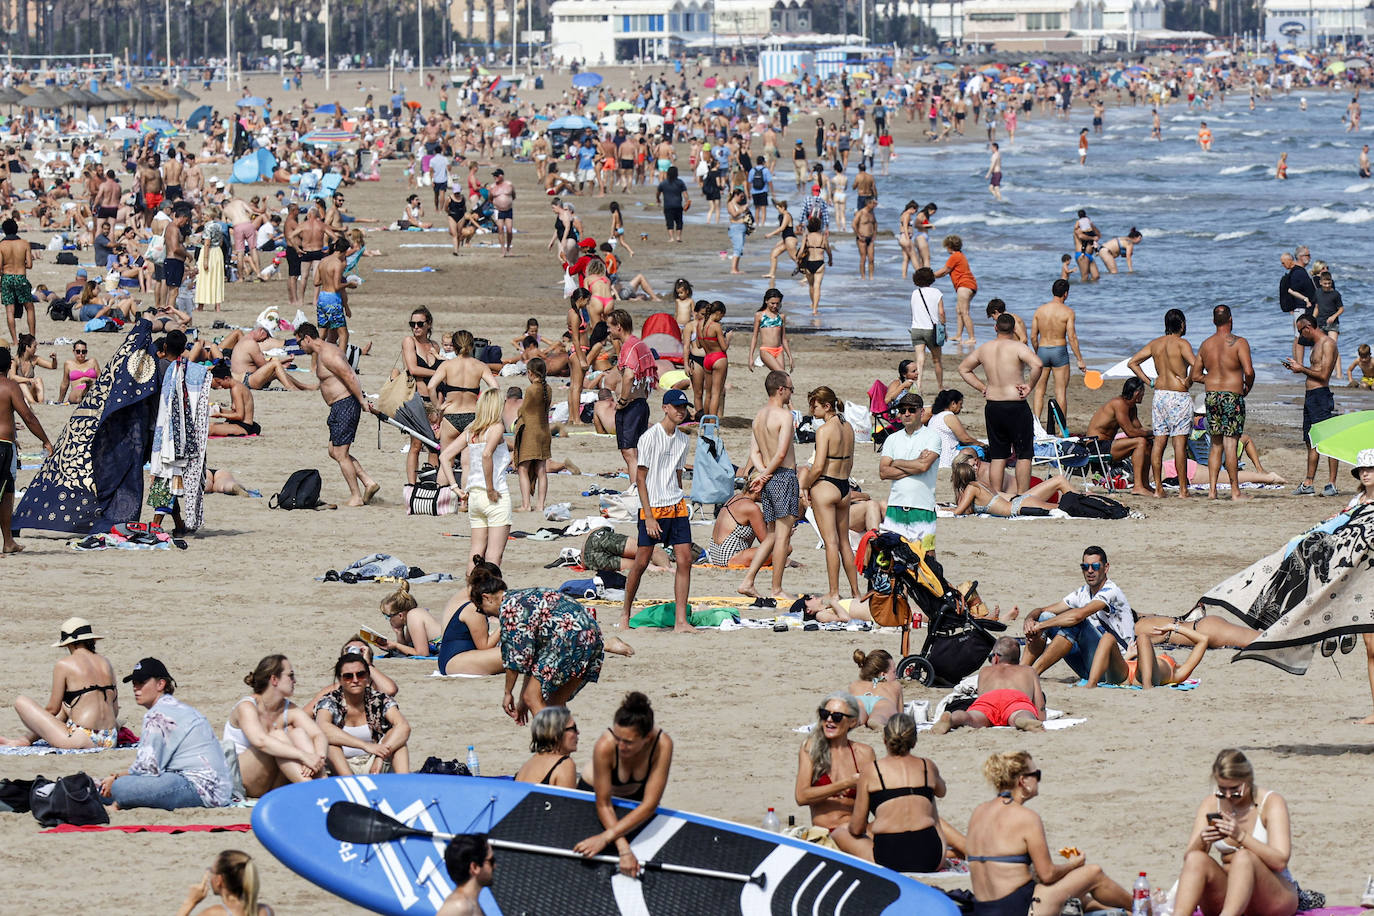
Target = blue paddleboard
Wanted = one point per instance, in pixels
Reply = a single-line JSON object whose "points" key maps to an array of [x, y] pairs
{"points": [[407, 876]]}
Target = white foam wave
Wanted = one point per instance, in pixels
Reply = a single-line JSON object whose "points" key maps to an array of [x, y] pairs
{"points": [[1232, 236], [994, 220], [1360, 188], [1326, 214], [1238, 169]]}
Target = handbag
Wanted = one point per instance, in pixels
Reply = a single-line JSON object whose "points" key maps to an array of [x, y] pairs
{"points": [[73, 799], [157, 250], [398, 390], [938, 327], [889, 609]]}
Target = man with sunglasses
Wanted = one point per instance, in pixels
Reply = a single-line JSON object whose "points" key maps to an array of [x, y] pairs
{"points": [[1009, 693], [911, 460], [470, 862], [1073, 629]]}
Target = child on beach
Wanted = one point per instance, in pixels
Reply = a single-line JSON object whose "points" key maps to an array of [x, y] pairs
{"points": [[1365, 363]]}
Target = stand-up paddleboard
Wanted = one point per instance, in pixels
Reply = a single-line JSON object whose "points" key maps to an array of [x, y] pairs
{"points": [[694, 864]]}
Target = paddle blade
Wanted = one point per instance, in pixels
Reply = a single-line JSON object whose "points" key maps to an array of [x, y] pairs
{"points": [[1093, 379], [355, 823]]}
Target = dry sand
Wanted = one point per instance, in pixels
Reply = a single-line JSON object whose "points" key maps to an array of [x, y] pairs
{"points": [[1122, 786]]}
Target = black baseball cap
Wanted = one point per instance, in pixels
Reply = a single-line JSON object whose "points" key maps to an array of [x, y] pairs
{"points": [[147, 669]]}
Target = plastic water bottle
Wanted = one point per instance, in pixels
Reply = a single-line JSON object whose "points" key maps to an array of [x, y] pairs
{"points": [[770, 822], [476, 769], [1140, 897]]}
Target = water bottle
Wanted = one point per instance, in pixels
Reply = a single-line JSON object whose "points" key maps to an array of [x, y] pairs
{"points": [[1140, 897], [476, 769], [770, 822]]}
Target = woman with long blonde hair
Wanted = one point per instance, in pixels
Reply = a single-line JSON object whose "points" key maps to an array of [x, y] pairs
{"points": [[486, 490]]}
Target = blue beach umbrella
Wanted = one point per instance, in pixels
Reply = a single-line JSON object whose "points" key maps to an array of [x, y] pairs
{"points": [[945, 65], [571, 122], [1262, 62], [587, 80], [158, 124], [1192, 60], [328, 108], [718, 105]]}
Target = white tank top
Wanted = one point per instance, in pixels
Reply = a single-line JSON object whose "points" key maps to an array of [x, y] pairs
{"points": [[500, 463], [236, 735]]}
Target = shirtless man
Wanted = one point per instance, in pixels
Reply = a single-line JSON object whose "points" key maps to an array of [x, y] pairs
{"points": [[865, 188], [1052, 335], [1120, 414], [1318, 402], [340, 390], [16, 295], [503, 199], [1009, 693], [172, 171], [244, 229], [1171, 411], [1008, 418], [772, 452], [312, 240], [253, 368], [290, 231], [193, 184], [331, 297], [106, 200], [1364, 161], [150, 181], [994, 173], [12, 402], [237, 418], [174, 267], [470, 862], [1223, 366], [865, 226]]}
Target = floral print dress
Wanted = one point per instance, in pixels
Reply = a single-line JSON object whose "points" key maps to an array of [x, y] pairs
{"points": [[547, 635]]}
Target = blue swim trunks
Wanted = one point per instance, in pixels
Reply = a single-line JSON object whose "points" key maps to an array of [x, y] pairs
{"points": [[1052, 357], [329, 311]]}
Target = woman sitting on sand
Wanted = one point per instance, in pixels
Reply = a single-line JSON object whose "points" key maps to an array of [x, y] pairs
{"points": [[972, 497], [356, 646], [553, 741], [878, 691], [77, 373], [828, 767], [738, 527], [631, 761], [900, 793], [416, 630], [22, 371], [471, 647], [234, 879], [277, 742], [84, 704], [1005, 839], [364, 727], [1249, 828]]}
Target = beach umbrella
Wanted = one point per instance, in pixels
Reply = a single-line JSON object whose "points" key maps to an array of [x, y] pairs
{"points": [[329, 135], [1343, 437], [587, 80], [710, 82], [990, 71], [621, 105], [1218, 54], [718, 105], [1301, 62], [123, 133], [572, 122], [1357, 63], [1336, 66], [327, 108], [1192, 60], [1040, 63], [410, 418], [1013, 79], [186, 94], [10, 96], [253, 101], [200, 114], [158, 124], [775, 82], [945, 65], [861, 75], [1262, 62]]}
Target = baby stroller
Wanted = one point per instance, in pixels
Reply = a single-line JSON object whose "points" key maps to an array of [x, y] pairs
{"points": [[956, 643]]}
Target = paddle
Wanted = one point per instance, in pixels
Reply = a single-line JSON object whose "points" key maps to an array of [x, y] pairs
{"points": [[355, 823], [1093, 379]]}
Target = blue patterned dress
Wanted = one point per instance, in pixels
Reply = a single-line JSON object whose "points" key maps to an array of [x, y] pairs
{"points": [[551, 637]]}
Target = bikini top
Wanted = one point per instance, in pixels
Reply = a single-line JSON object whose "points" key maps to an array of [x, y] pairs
{"points": [[82, 373], [825, 779], [70, 697], [445, 390], [553, 769], [770, 321], [619, 786], [1259, 832], [885, 794], [424, 363]]}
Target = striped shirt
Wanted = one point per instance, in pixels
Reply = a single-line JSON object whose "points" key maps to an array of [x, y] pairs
{"points": [[662, 456]]}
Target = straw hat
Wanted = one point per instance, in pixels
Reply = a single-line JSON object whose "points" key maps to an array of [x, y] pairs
{"points": [[1365, 459], [75, 629]]}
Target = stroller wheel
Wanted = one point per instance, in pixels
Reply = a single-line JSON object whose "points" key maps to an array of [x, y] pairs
{"points": [[918, 669]]}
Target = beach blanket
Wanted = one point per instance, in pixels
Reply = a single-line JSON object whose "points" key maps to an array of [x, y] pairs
{"points": [[1309, 590], [179, 437], [37, 750], [94, 477], [1191, 683], [150, 828], [381, 567]]}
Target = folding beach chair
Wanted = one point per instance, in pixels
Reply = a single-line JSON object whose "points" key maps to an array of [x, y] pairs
{"points": [[885, 421], [328, 185]]}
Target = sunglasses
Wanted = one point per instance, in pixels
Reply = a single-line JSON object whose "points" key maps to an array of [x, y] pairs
{"points": [[909, 410], [572, 728], [350, 676], [1237, 792], [418, 324], [1090, 566], [79, 352], [1034, 773], [831, 715]]}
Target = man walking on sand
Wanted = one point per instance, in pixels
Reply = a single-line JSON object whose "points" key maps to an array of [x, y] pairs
{"points": [[503, 199], [1223, 366], [16, 295], [1052, 334], [911, 460], [1010, 423], [663, 511], [340, 389], [1171, 411], [12, 402], [1318, 402], [772, 452]]}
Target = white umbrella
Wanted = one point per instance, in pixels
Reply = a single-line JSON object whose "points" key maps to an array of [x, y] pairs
{"points": [[1217, 54]]}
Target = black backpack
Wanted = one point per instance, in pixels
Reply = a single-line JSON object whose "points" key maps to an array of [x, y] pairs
{"points": [[301, 491], [1091, 505], [760, 183], [72, 799], [60, 310]]}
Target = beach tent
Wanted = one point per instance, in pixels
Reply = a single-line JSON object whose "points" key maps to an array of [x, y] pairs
{"points": [[257, 165], [200, 114]]}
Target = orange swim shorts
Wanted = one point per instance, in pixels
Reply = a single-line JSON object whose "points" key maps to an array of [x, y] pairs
{"points": [[1000, 705]]}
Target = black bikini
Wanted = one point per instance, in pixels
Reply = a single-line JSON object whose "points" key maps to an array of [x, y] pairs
{"points": [[841, 485], [911, 850], [617, 785], [553, 769], [70, 697]]}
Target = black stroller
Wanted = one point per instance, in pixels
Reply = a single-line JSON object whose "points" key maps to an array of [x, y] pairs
{"points": [[957, 643]]}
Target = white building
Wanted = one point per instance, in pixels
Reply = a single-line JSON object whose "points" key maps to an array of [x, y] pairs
{"points": [[610, 31], [1302, 23]]}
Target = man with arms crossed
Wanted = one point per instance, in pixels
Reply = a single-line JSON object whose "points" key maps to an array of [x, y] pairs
{"points": [[340, 390], [911, 460], [1009, 693], [1171, 412], [1223, 366], [1052, 335], [1010, 424], [772, 452]]}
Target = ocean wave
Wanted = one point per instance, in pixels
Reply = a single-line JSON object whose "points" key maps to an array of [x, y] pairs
{"points": [[1232, 236], [992, 219], [1326, 214], [1360, 188], [1238, 169], [1254, 133]]}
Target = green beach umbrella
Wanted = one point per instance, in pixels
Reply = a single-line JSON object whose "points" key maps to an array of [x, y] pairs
{"points": [[1345, 436], [621, 105]]}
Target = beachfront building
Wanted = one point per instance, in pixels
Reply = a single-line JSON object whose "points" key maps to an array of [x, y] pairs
{"points": [[1305, 23], [612, 31], [1059, 25]]}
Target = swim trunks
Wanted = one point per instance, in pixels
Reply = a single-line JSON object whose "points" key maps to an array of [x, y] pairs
{"points": [[173, 192], [344, 415], [329, 310], [1011, 428], [631, 422], [173, 272], [1317, 405], [781, 496], [1225, 414], [1053, 357], [995, 179], [15, 289], [1171, 413], [1000, 706], [152, 201], [8, 466], [916, 525], [505, 214]]}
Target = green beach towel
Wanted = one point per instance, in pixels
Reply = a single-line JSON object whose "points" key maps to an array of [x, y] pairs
{"points": [[661, 616]]}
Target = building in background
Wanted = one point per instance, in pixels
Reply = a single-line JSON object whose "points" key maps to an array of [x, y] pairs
{"points": [[1305, 23]]}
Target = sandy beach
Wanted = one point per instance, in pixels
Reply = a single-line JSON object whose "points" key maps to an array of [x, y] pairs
{"points": [[1122, 786]]}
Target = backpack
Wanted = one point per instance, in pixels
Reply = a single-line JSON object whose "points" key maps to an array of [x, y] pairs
{"points": [[1091, 505], [760, 183], [301, 491], [60, 310], [73, 799]]}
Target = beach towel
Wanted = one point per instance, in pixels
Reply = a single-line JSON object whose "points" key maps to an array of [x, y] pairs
{"points": [[381, 567], [94, 477], [151, 828], [180, 435], [1309, 590], [662, 616]]}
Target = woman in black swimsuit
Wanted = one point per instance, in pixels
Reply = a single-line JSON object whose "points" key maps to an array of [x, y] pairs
{"points": [[83, 684], [631, 760], [420, 354], [455, 386], [813, 254], [900, 794], [1121, 246], [788, 242], [553, 741], [827, 480]]}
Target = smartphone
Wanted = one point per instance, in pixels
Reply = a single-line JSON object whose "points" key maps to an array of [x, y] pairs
{"points": [[1211, 818]]}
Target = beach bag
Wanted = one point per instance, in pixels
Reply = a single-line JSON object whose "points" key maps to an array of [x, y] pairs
{"points": [[398, 390], [157, 250], [1091, 505], [429, 499], [713, 474], [73, 799], [60, 310], [301, 491], [67, 258], [14, 795], [889, 609]]}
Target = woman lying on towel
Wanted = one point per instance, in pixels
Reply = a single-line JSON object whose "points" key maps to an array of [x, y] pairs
{"points": [[364, 727], [823, 609], [1005, 838], [973, 497], [1249, 829], [84, 703]]}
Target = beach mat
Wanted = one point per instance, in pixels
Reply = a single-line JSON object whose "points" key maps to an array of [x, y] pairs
{"points": [[437, 673], [1191, 684], [39, 750], [150, 828]]}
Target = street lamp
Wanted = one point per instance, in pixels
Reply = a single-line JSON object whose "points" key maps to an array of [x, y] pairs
{"points": [[228, 59]]}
